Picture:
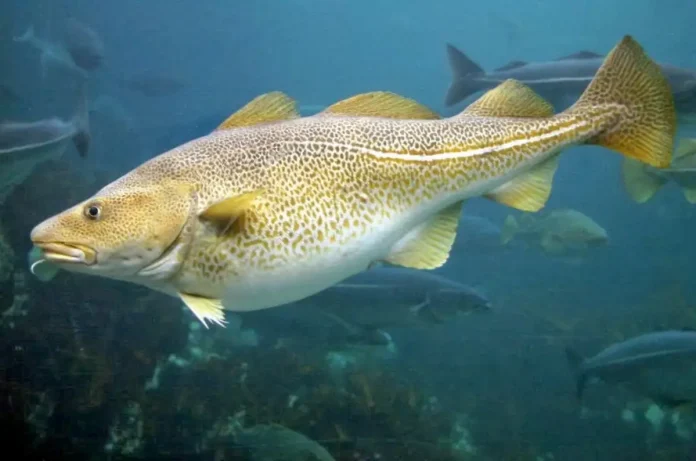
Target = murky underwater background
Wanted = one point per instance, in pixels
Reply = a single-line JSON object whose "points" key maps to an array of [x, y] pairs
{"points": [[96, 369]]}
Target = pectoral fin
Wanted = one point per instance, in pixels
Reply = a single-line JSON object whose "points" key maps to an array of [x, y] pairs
{"points": [[227, 211], [552, 244], [205, 309]]}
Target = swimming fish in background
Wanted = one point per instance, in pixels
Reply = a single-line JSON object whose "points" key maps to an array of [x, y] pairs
{"points": [[51, 53], [385, 297], [271, 208], [46, 136], [83, 44], [660, 365], [556, 232], [642, 183], [24, 145], [559, 80]]}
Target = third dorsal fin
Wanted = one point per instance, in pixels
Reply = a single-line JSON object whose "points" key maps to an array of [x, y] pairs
{"points": [[509, 99]]}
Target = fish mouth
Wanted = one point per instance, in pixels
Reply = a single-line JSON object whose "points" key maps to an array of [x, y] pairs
{"points": [[67, 253]]}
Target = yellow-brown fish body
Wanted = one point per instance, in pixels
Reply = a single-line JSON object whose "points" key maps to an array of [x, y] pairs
{"points": [[272, 208], [338, 194]]}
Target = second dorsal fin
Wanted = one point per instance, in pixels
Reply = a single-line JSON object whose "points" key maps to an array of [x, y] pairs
{"points": [[269, 107], [380, 104]]}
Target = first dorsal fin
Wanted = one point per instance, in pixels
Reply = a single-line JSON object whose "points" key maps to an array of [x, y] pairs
{"points": [[428, 246], [269, 107], [509, 99], [381, 104], [512, 65], [584, 54]]}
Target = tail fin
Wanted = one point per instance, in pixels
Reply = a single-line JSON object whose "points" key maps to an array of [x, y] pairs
{"points": [[510, 228], [463, 69], [575, 361], [686, 151], [646, 120], [640, 183], [82, 137], [27, 36]]}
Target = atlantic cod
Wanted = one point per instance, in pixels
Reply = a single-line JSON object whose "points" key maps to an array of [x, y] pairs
{"points": [[385, 297], [660, 365], [559, 80], [271, 208], [25, 145]]}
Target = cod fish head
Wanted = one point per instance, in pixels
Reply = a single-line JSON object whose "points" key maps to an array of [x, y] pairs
{"points": [[120, 232], [472, 301], [591, 234]]}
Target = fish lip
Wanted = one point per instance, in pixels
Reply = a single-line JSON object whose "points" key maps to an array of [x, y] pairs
{"points": [[67, 253]]}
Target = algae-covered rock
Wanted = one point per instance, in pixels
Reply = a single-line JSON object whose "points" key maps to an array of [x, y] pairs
{"points": [[6, 273], [6, 258]]}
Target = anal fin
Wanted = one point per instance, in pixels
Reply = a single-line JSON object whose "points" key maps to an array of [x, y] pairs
{"points": [[205, 309], [529, 191], [428, 246]]}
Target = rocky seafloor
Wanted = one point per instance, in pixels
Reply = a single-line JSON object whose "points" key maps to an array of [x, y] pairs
{"points": [[95, 369]]}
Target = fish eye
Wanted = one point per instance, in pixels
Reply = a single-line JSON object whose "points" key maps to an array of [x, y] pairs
{"points": [[93, 212]]}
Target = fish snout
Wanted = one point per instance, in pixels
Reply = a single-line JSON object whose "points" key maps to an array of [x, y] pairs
{"points": [[45, 238], [599, 239], [475, 305]]}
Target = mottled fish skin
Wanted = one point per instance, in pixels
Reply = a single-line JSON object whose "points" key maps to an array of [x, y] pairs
{"points": [[330, 182], [335, 192]]}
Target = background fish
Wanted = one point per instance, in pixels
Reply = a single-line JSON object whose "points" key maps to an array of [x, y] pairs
{"points": [[24, 145], [661, 366], [642, 183], [50, 53], [556, 232], [560, 80], [83, 44], [385, 297], [476, 234]]}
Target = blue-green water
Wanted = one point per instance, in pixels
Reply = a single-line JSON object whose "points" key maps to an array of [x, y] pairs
{"points": [[93, 368]]}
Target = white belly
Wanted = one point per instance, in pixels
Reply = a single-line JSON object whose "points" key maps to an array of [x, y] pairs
{"points": [[292, 282]]}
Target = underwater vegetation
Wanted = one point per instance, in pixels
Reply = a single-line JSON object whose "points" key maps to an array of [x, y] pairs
{"points": [[100, 367]]}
